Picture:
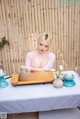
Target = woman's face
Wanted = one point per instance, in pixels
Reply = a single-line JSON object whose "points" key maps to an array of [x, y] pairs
{"points": [[43, 46]]}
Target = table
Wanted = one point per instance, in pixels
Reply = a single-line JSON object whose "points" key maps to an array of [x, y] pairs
{"points": [[39, 97], [73, 113]]}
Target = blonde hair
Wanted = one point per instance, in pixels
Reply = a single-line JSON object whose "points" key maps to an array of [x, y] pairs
{"points": [[44, 37]]}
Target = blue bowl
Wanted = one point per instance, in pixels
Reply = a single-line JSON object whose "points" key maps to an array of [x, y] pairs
{"points": [[3, 74], [68, 77]]}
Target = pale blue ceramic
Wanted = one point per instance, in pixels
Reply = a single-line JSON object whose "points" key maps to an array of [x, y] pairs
{"points": [[69, 83], [69, 77], [3, 82], [68, 80]]}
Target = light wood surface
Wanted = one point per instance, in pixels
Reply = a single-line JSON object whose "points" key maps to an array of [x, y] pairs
{"points": [[32, 78]]}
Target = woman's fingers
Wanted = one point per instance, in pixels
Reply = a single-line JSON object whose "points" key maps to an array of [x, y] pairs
{"points": [[23, 68]]}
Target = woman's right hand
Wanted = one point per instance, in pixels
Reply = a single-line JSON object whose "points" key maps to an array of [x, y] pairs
{"points": [[23, 68]]}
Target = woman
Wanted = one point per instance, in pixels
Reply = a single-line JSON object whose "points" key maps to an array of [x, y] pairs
{"points": [[41, 58]]}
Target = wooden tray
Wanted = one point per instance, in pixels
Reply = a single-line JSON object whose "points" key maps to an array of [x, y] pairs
{"points": [[32, 78]]}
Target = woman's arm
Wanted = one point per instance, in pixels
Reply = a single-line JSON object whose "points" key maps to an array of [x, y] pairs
{"points": [[49, 65], [51, 61], [28, 59], [27, 62]]}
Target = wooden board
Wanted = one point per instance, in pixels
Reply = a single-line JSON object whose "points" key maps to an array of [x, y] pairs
{"points": [[32, 78]]}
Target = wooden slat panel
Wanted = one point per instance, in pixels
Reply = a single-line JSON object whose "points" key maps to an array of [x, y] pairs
{"points": [[23, 21]]}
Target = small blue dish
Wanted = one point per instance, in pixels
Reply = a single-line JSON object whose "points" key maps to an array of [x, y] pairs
{"points": [[68, 77]]}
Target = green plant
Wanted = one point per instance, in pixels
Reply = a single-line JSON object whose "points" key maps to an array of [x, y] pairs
{"points": [[58, 73], [3, 41]]}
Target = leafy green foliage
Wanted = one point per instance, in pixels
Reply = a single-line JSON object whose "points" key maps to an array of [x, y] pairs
{"points": [[3, 42]]}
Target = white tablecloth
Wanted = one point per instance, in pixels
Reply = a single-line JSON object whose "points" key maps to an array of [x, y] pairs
{"points": [[39, 97]]}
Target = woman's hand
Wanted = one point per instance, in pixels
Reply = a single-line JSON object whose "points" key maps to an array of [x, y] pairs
{"points": [[30, 69], [23, 68], [35, 69]]}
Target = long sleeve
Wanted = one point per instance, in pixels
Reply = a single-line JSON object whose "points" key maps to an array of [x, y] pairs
{"points": [[30, 62], [28, 59], [50, 64]]}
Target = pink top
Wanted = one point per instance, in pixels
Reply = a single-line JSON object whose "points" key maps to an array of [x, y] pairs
{"points": [[33, 61]]}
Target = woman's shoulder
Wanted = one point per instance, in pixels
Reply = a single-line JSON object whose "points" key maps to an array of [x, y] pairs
{"points": [[31, 53]]}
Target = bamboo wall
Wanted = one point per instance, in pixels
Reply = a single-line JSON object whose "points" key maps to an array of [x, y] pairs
{"points": [[23, 21]]}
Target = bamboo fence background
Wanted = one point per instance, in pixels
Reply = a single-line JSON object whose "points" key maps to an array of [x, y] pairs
{"points": [[23, 21]]}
